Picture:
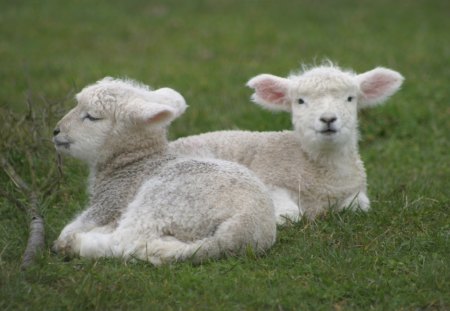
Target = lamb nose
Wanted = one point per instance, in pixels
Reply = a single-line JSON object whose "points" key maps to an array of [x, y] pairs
{"points": [[56, 131], [328, 119]]}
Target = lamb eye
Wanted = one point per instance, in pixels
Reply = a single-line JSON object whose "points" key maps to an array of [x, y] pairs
{"points": [[301, 101], [91, 118], [350, 98]]}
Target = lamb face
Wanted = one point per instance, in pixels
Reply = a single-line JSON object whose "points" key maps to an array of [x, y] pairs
{"points": [[324, 110], [83, 131], [324, 102], [111, 111]]}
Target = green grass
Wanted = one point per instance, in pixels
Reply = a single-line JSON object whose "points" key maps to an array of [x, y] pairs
{"points": [[396, 257]]}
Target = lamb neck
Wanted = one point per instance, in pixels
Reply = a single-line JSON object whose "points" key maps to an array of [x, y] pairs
{"points": [[120, 153]]}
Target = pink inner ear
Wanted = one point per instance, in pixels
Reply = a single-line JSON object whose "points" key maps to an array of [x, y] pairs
{"points": [[270, 92], [377, 86], [163, 115]]}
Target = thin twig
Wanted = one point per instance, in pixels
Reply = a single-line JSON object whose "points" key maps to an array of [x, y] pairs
{"points": [[32, 169], [15, 178], [13, 200], [36, 237], [52, 181]]}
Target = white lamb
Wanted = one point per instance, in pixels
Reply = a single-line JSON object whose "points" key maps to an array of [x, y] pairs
{"points": [[317, 165], [146, 203]]}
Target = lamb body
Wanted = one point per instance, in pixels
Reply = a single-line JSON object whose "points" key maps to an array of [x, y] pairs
{"points": [[145, 202], [317, 165], [295, 179]]}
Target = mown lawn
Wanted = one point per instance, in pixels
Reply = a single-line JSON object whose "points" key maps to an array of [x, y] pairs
{"points": [[395, 257]]}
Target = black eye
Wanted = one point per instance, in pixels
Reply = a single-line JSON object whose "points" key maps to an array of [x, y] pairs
{"points": [[350, 98], [301, 101], [91, 118]]}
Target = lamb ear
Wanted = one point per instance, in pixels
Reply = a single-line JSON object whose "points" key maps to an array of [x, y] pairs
{"points": [[378, 85], [149, 113], [271, 92], [172, 98]]}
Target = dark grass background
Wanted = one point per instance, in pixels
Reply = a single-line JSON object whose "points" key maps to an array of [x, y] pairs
{"points": [[395, 257]]}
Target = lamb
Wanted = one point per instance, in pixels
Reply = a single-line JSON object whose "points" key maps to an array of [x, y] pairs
{"points": [[317, 165], [145, 202]]}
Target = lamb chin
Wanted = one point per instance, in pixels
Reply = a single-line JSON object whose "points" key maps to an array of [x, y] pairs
{"points": [[62, 147]]}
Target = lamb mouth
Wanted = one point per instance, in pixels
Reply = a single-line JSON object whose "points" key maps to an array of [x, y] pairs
{"points": [[65, 145], [328, 132]]}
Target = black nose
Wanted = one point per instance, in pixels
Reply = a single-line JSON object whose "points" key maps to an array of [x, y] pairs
{"points": [[328, 119], [56, 131]]}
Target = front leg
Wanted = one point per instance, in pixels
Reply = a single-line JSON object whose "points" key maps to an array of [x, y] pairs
{"points": [[67, 242], [285, 208], [358, 201]]}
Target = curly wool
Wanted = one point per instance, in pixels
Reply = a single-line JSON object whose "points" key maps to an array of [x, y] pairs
{"points": [[149, 204], [316, 166]]}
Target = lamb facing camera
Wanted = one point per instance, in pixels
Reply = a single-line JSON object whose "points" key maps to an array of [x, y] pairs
{"points": [[146, 203], [317, 165]]}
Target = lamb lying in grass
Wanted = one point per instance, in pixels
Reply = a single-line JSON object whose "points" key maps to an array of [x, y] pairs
{"points": [[317, 165], [146, 203]]}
